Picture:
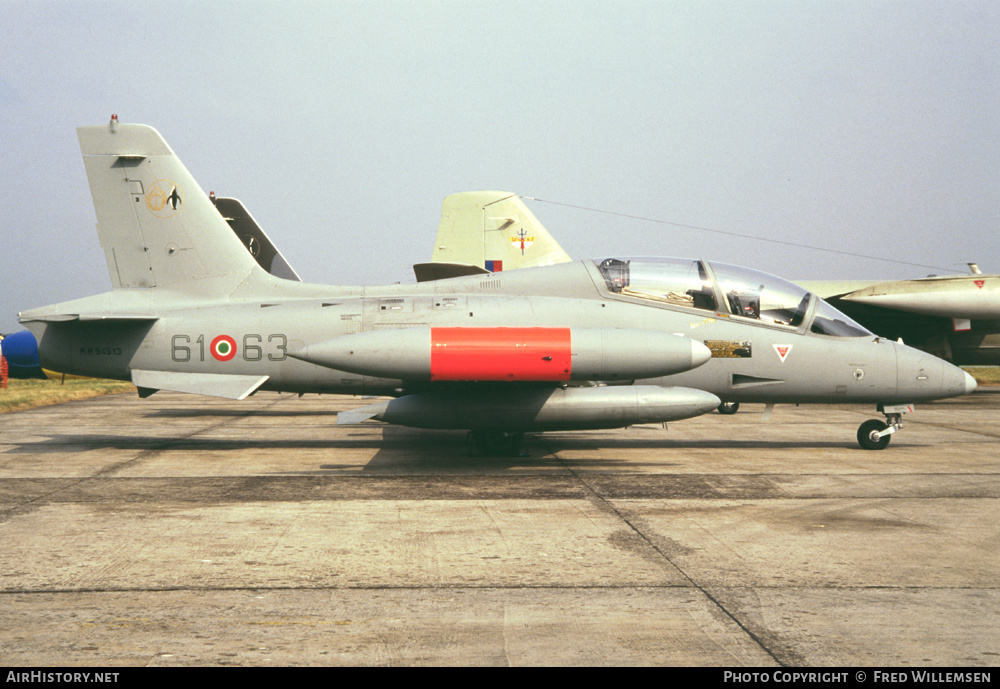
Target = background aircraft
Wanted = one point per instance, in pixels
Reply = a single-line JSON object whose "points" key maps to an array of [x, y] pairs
{"points": [[486, 232], [253, 237], [955, 318], [589, 344]]}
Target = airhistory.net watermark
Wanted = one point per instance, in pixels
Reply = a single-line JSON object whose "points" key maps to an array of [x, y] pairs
{"points": [[61, 677]]}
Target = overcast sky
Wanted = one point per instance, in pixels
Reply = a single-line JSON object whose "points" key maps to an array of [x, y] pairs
{"points": [[863, 127]]}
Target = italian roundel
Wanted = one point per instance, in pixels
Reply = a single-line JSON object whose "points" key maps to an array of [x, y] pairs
{"points": [[223, 348]]}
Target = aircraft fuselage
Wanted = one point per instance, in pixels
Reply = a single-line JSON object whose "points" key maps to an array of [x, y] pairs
{"points": [[751, 360]]}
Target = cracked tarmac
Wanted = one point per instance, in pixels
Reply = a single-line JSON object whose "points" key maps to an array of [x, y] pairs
{"points": [[191, 531]]}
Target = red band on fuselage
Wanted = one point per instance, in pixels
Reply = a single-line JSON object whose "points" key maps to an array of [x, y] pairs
{"points": [[500, 354]]}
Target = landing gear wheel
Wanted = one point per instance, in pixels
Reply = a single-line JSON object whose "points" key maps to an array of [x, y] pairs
{"points": [[729, 407], [498, 443], [868, 435]]}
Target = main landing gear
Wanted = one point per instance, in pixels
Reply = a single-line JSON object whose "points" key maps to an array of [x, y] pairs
{"points": [[875, 435], [492, 443]]}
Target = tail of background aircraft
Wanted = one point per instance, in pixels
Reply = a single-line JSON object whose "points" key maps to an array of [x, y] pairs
{"points": [[486, 232], [253, 237], [156, 225]]}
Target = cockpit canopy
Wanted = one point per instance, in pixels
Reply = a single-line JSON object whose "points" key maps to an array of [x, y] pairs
{"points": [[724, 288]]}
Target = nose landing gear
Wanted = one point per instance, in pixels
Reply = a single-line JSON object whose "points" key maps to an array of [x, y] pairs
{"points": [[875, 435]]}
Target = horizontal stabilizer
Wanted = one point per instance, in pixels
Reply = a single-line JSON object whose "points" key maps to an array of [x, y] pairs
{"points": [[361, 413], [85, 317], [427, 272], [232, 387]]}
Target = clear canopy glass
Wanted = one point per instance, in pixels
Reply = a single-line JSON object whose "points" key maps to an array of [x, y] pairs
{"points": [[722, 287]]}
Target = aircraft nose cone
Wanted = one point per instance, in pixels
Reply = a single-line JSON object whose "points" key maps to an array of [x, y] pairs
{"points": [[970, 384], [955, 382], [922, 376]]}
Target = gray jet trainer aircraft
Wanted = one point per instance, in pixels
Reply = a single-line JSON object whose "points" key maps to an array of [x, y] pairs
{"points": [[582, 345]]}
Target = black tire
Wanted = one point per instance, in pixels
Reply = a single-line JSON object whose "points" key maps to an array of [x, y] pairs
{"points": [[729, 407], [867, 438]]}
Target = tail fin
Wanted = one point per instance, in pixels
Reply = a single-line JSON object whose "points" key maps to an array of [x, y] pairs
{"points": [[156, 226], [254, 238], [493, 230]]}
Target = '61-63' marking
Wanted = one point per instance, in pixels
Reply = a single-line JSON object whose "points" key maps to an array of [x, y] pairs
{"points": [[225, 348]]}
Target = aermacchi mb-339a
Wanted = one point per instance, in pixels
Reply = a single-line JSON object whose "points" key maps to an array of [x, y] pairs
{"points": [[580, 345]]}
